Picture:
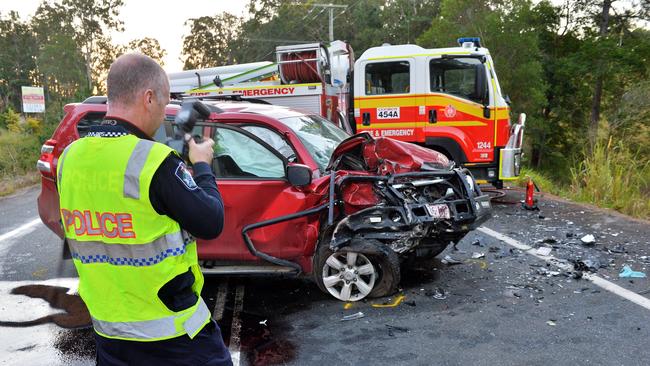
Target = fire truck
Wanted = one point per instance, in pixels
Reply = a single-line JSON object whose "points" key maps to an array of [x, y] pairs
{"points": [[447, 99]]}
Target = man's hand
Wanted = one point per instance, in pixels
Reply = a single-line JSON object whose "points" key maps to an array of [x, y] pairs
{"points": [[202, 152]]}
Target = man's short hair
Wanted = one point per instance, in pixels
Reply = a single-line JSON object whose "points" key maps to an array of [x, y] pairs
{"points": [[130, 75]]}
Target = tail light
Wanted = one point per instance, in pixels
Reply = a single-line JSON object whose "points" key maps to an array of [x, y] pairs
{"points": [[45, 163]]}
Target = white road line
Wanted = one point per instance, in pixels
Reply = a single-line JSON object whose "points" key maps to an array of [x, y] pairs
{"points": [[21, 230], [221, 300], [595, 279], [235, 332]]}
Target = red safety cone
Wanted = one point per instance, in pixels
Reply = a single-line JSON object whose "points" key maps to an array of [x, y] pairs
{"points": [[530, 203]]}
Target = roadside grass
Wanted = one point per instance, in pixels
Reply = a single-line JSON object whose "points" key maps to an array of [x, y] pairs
{"points": [[543, 181], [613, 176], [19, 152], [9, 185]]}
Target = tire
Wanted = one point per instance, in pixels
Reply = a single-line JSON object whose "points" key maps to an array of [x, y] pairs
{"points": [[383, 280]]}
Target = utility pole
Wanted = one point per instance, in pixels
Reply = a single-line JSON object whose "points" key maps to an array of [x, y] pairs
{"points": [[331, 8]]}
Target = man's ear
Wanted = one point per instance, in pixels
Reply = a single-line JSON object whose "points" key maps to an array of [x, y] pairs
{"points": [[148, 97]]}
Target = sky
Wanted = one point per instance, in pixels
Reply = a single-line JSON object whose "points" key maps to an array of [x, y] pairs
{"points": [[160, 19]]}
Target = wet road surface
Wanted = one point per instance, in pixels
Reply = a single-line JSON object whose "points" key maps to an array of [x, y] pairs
{"points": [[500, 306]]}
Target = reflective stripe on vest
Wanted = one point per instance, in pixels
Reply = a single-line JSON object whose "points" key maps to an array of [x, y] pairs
{"points": [[134, 167], [139, 255], [153, 329], [65, 152]]}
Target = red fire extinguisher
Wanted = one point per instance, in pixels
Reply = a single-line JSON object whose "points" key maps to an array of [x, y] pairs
{"points": [[530, 203]]}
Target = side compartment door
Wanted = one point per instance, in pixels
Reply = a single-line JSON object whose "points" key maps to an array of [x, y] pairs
{"points": [[251, 178], [456, 103], [387, 105]]}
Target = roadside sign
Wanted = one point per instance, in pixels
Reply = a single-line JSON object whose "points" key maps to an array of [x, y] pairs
{"points": [[33, 99]]}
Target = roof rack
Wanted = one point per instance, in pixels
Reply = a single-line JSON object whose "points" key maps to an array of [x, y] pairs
{"points": [[97, 99]]}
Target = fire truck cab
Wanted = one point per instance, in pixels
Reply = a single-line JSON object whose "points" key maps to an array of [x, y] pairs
{"points": [[447, 99]]}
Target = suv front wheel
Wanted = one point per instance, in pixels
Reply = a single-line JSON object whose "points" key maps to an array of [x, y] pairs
{"points": [[352, 276]]}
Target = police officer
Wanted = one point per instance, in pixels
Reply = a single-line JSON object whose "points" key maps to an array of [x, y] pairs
{"points": [[130, 210]]}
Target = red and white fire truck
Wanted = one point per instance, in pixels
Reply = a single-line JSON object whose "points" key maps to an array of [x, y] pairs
{"points": [[447, 99]]}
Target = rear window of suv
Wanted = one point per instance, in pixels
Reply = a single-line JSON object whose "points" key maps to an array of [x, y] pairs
{"points": [[89, 120]]}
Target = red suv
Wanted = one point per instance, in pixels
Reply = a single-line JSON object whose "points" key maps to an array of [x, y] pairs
{"points": [[304, 197]]}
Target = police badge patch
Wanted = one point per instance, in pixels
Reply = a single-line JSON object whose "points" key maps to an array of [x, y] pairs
{"points": [[185, 177]]}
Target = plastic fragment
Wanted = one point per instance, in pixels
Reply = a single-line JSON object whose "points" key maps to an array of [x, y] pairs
{"points": [[448, 260], [437, 293], [354, 316], [588, 239], [477, 255], [627, 272]]}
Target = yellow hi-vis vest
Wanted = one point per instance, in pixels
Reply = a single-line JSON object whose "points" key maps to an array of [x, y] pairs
{"points": [[124, 251]]}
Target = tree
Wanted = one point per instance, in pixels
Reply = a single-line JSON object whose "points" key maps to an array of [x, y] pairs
{"points": [[508, 29], [93, 19], [210, 41], [147, 46], [405, 20], [17, 59], [60, 62]]}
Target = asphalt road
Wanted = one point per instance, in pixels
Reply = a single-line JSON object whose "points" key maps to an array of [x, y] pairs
{"points": [[511, 307]]}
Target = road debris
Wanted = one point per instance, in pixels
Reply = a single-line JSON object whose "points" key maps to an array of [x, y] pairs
{"points": [[354, 316], [477, 242], [478, 255], [588, 239], [263, 322], [437, 293], [551, 323], [393, 304], [392, 329], [591, 264], [450, 261], [627, 272], [544, 251]]}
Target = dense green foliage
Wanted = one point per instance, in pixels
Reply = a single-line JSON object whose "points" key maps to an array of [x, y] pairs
{"points": [[580, 69], [65, 48]]}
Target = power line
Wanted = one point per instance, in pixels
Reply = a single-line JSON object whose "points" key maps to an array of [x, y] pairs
{"points": [[331, 8]]}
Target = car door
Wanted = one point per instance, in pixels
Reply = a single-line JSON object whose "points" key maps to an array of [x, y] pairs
{"points": [[251, 178]]}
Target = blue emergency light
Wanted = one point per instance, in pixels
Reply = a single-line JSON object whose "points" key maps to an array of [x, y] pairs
{"points": [[475, 40]]}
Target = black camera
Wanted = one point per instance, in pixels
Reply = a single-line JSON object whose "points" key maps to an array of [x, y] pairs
{"points": [[191, 111]]}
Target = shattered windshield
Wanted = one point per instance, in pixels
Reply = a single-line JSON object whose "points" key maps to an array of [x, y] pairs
{"points": [[319, 136]]}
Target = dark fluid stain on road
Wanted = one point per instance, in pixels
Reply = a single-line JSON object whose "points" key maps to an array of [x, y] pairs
{"points": [[75, 343], [75, 316], [266, 339], [421, 272]]}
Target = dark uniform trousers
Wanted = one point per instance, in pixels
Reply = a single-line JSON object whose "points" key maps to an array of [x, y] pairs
{"points": [[206, 349]]}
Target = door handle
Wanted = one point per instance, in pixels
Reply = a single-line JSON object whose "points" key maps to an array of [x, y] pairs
{"points": [[433, 116], [366, 119]]}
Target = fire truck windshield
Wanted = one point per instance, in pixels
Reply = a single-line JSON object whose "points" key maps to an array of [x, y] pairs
{"points": [[319, 136]]}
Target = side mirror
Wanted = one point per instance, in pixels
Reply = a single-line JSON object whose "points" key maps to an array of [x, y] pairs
{"points": [[522, 119], [298, 175], [507, 99]]}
